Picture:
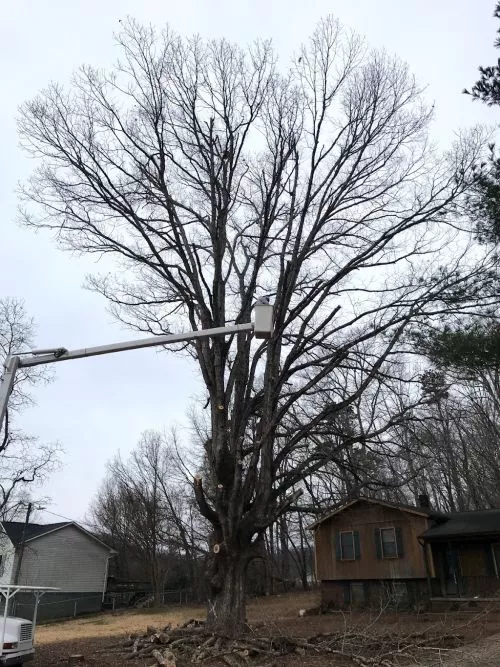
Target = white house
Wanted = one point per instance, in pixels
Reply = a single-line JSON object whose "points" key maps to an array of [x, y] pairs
{"points": [[63, 555]]}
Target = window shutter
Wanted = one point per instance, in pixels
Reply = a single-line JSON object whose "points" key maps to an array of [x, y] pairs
{"points": [[338, 550], [378, 542], [399, 542], [357, 552]]}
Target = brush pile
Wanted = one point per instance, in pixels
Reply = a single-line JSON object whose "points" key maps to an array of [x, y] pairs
{"points": [[191, 644]]}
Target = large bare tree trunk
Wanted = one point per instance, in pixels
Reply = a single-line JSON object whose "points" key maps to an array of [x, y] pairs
{"points": [[227, 605]]}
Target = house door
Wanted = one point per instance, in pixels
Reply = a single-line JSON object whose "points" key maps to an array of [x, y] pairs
{"points": [[451, 571]]}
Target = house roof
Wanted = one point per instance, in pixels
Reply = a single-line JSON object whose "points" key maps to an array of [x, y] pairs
{"points": [[419, 511], [465, 524], [15, 531]]}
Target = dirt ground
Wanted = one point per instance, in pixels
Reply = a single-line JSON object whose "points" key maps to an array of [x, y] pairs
{"points": [[95, 636]]}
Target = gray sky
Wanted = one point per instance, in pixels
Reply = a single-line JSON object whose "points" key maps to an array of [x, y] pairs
{"points": [[98, 406]]}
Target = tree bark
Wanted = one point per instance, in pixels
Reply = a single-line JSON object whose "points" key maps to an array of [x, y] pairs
{"points": [[227, 602]]}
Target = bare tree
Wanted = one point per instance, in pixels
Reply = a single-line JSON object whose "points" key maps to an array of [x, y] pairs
{"points": [[140, 507], [457, 440], [23, 460], [212, 176]]}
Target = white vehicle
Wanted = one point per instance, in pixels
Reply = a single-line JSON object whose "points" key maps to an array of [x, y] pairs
{"points": [[18, 634]]}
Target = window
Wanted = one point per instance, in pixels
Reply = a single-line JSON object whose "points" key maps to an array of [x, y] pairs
{"points": [[388, 543], [347, 546], [394, 593], [399, 592], [357, 593]]}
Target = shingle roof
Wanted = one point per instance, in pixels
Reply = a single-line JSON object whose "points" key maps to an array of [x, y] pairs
{"points": [[465, 524], [14, 530]]}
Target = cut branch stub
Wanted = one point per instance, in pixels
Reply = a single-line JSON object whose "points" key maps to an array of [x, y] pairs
{"points": [[218, 548]]}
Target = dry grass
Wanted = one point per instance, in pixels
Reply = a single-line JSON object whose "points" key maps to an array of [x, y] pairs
{"points": [[108, 624]]}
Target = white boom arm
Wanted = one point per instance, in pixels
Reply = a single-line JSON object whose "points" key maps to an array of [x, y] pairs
{"points": [[262, 327]]}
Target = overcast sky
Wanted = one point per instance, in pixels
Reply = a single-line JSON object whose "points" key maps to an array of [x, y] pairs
{"points": [[100, 405]]}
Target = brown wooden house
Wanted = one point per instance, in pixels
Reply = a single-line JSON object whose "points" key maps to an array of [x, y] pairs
{"points": [[372, 551]]}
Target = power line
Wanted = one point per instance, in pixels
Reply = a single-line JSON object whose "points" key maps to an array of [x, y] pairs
{"points": [[61, 516]]}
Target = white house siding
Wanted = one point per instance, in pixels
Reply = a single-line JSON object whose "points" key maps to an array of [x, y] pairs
{"points": [[7, 552], [67, 559]]}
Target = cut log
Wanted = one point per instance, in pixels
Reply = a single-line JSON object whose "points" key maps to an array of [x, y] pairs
{"points": [[193, 623], [209, 642], [244, 654], [165, 659]]}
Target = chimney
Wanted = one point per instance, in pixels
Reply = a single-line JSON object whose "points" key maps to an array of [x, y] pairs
{"points": [[424, 502]]}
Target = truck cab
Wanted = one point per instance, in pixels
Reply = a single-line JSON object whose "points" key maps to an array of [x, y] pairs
{"points": [[17, 635], [17, 646]]}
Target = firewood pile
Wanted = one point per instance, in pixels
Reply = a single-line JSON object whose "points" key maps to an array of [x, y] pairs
{"points": [[191, 644]]}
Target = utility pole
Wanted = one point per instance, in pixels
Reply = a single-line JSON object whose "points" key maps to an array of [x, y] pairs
{"points": [[21, 544]]}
